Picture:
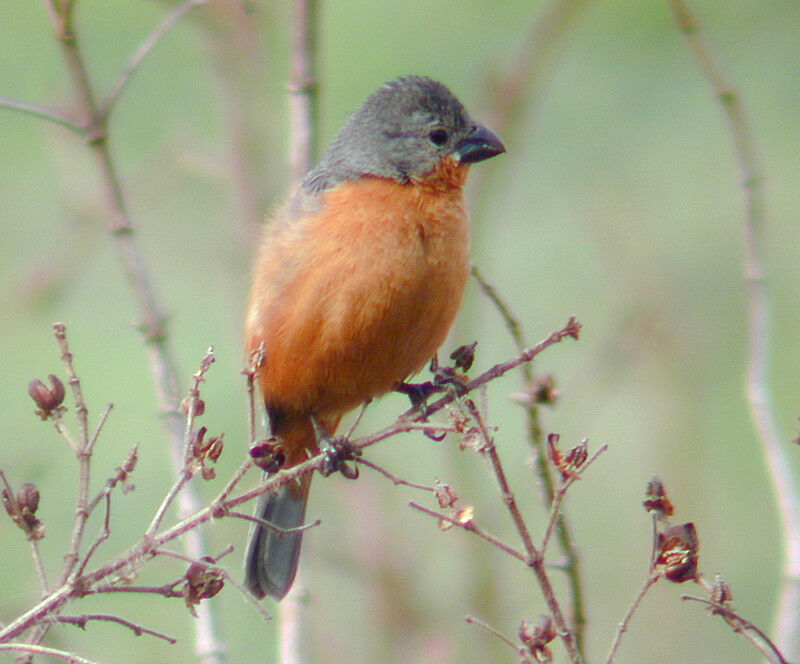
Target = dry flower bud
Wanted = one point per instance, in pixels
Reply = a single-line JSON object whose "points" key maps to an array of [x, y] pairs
{"points": [[199, 406], [656, 499], [267, 455], [720, 591], [28, 497], [544, 390], [464, 356], [465, 514], [22, 510], [678, 552], [46, 398], [445, 495], [568, 464], [202, 582], [536, 637]]}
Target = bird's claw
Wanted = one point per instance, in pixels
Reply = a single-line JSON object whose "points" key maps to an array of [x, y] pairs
{"points": [[339, 452]]}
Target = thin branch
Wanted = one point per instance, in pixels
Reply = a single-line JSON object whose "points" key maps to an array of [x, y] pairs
{"points": [[271, 526], [302, 91], [41, 573], [102, 537], [121, 475], [99, 428], [46, 652], [395, 480], [82, 453], [470, 527], [132, 557], [555, 506], [154, 38], [760, 640], [536, 439], [138, 630], [42, 113], [623, 626], [163, 363], [535, 557], [472, 620], [784, 482]]}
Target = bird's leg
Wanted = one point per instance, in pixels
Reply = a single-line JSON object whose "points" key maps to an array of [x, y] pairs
{"points": [[338, 450]]}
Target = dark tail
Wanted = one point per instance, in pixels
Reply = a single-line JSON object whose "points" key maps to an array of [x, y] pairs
{"points": [[271, 558]]}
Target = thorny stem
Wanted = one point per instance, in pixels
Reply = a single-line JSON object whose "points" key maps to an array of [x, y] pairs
{"points": [[784, 483]]}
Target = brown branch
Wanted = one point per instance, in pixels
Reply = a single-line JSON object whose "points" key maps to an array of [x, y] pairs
{"points": [[133, 557], [558, 497], [535, 557], [472, 620], [395, 480], [163, 364], [32, 649], [744, 627], [543, 469], [470, 527], [623, 626], [784, 482], [83, 455], [138, 630]]}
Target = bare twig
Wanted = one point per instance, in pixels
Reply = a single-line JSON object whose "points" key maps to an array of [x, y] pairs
{"points": [[558, 497], [45, 652], [544, 471], [82, 453], [470, 526], [132, 558], [744, 627], [153, 320], [271, 526], [535, 557], [623, 626], [395, 480], [135, 62], [302, 91], [138, 630], [472, 620], [784, 483], [41, 113]]}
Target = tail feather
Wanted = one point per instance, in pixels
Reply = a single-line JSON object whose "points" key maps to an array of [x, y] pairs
{"points": [[271, 558]]}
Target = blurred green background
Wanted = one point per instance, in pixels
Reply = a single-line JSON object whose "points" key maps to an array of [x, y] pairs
{"points": [[619, 201]]}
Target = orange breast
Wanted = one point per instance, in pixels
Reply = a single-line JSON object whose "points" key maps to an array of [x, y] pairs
{"points": [[359, 296]]}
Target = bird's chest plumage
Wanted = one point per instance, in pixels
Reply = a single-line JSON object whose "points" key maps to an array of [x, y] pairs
{"points": [[376, 281]]}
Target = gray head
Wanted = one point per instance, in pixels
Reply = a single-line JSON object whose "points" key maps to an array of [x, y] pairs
{"points": [[402, 131]]}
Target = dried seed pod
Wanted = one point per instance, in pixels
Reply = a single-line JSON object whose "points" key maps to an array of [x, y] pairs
{"points": [[46, 398], [678, 551]]}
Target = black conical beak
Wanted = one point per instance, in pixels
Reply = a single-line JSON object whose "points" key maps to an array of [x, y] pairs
{"points": [[480, 144]]}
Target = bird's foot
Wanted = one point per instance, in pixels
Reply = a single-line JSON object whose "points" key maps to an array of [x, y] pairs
{"points": [[340, 452]]}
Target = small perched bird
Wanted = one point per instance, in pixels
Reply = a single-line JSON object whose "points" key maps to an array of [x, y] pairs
{"points": [[356, 283]]}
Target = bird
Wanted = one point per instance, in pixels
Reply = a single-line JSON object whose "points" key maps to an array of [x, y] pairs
{"points": [[356, 283]]}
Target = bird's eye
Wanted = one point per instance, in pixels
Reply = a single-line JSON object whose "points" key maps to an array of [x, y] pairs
{"points": [[438, 136]]}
